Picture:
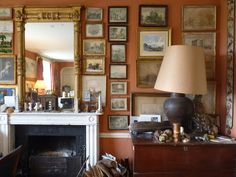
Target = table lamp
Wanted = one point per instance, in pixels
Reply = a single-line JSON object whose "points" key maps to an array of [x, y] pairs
{"points": [[182, 72], [40, 87]]}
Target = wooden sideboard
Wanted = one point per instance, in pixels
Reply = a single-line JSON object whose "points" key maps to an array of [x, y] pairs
{"points": [[195, 159]]}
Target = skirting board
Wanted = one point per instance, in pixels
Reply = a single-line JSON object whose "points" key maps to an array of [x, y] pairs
{"points": [[114, 135]]}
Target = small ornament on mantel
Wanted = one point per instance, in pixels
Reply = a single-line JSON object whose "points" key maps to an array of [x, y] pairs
{"points": [[99, 99]]}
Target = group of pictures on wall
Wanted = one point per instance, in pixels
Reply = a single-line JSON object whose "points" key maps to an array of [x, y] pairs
{"points": [[199, 29], [7, 59], [118, 70]]}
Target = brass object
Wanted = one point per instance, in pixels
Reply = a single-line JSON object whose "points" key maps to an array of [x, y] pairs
{"points": [[25, 14], [176, 132]]}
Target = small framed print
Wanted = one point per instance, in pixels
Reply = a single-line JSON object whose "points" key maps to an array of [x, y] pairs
{"points": [[118, 14], [118, 53], [7, 70], [6, 44], [94, 65], [5, 13], [94, 47], [6, 91], [118, 88], [118, 71], [94, 30], [153, 42], [94, 14], [199, 17], [6, 26], [119, 104], [117, 33], [153, 15], [118, 122], [147, 71]]}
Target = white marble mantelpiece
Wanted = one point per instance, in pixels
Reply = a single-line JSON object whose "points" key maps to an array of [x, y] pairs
{"points": [[90, 120]]}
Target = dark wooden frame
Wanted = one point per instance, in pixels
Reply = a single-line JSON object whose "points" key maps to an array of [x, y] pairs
{"points": [[118, 40], [114, 7], [120, 44], [126, 71]]}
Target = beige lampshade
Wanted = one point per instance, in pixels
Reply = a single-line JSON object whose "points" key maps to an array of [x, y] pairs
{"points": [[183, 71], [40, 84]]}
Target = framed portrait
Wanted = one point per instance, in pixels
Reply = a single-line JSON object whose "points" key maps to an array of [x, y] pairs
{"points": [[94, 14], [206, 40], [199, 17], [6, 26], [117, 33], [117, 14], [6, 91], [153, 15], [94, 47], [94, 65], [30, 68], [118, 53], [148, 103], [5, 13], [147, 71], [6, 44], [119, 104], [7, 70], [118, 88], [118, 71], [118, 122], [94, 84], [153, 42], [94, 30]]}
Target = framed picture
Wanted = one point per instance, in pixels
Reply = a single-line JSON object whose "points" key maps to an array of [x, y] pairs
{"points": [[118, 122], [94, 14], [6, 44], [5, 13], [94, 65], [147, 71], [94, 84], [117, 14], [7, 70], [117, 33], [94, 47], [94, 30], [119, 104], [118, 88], [118, 71], [206, 40], [6, 26], [118, 53], [148, 103], [153, 42], [153, 15], [29, 84], [30, 68], [6, 91], [199, 17]]}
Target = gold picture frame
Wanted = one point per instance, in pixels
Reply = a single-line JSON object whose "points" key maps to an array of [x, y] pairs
{"points": [[7, 69], [94, 65]]}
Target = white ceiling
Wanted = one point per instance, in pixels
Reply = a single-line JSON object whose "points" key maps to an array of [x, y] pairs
{"points": [[51, 40]]}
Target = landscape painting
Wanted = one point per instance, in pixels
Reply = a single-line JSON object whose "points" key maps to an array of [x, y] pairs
{"points": [[118, 52], [94, 47], [6, 43]]}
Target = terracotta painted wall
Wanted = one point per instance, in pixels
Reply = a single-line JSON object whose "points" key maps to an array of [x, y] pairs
{"points": [[122, 147]]}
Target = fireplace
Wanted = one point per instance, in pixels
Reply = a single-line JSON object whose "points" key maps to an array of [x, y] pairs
{"points": [[52, 151]]}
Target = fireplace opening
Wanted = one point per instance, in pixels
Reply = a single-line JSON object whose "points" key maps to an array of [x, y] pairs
{"points": [[52, 151]]}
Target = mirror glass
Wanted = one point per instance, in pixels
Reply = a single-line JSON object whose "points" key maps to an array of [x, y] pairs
{"points": [[50, 46]]}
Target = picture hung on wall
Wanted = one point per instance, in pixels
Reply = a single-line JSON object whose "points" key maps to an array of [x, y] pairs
{"points": [[94, 14], [199, 17], [118, 71], [94, 30], [94, 65], [206, 40], [119, 104], [118, 53], [117, 33], [5, 13], [6, 43], [29, 85], [147, 71], [6, 26], [7, 70], [118, 88], [148, 103], [153, 42], [94, 47], [118, 14], [30, 69], [153, 15], [6, 91], [118, 122]]}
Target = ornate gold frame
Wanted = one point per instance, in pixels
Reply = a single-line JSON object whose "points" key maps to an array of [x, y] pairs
{"points": [[23, 15]]}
